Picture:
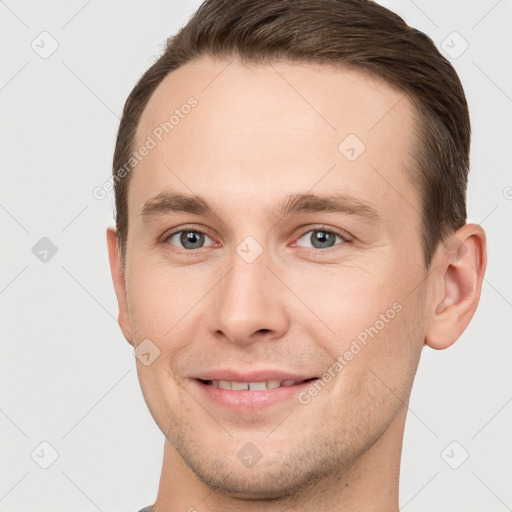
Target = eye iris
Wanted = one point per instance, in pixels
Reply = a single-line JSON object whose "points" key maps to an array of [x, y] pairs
{"points": [[324, 238], [191, 237], [320, 239]]}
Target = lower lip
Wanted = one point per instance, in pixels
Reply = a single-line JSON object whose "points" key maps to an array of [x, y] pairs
{"points": [[251, 401]]}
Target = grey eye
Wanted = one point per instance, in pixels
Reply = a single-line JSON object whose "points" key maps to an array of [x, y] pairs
{"points": [[321, 239], [188, 239]]}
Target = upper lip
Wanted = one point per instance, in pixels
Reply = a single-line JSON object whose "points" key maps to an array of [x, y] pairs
{"points": [[251, 376]]}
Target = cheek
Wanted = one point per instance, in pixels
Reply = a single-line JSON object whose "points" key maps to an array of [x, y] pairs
{"points": [[346, 301], [374, 385], [389, 359], [162, 302], [374, 327]]}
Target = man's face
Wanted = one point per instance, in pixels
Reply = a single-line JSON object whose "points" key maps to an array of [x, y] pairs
{"points": [[253, 294]]}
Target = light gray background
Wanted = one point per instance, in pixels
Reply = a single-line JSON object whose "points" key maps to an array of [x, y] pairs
{"points": [[68, 377]]}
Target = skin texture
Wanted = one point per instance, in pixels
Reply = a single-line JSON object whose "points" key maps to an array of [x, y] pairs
{"points": [[258, 134]]}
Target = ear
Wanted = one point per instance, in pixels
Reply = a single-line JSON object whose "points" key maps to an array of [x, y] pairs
{"points": [[118, 278], [458, 277]]}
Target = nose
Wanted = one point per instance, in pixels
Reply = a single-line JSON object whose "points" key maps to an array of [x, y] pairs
{"points": [[250, 302]]}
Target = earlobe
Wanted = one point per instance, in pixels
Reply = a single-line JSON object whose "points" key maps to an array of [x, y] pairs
{"points": [[459, 275], [118, 278]]}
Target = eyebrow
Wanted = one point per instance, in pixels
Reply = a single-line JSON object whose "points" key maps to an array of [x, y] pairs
{"points": [[167, 203]]}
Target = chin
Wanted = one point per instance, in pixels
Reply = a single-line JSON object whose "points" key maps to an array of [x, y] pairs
{"points": [[270, 480]]}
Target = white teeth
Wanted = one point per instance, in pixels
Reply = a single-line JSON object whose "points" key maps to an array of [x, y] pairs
{"points": [[254, 386], [239, 385], [224, 384], [259, 386]]}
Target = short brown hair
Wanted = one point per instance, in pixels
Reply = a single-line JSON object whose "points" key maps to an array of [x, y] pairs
{"points": [[359, 33]]}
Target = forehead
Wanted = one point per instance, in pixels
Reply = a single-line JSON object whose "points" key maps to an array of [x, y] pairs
{"points": [[237, 131]]}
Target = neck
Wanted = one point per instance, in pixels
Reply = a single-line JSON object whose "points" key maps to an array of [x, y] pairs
{"points": [[369, 483]]}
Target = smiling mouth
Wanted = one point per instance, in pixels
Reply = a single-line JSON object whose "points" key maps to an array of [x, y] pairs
{"points": [[253, 386]]}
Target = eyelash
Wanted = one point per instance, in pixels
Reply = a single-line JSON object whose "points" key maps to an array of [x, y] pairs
{"points": [[344, 237]]}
